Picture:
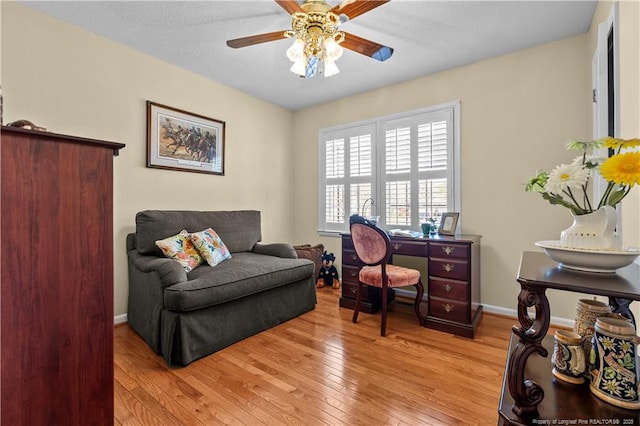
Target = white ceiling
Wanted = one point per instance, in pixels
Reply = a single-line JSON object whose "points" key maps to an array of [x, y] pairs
{"points": [[427, 36]]}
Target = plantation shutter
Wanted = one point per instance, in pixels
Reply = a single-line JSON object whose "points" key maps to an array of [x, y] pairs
{"points": [[348, 169], [416, 164], [406, 163]]}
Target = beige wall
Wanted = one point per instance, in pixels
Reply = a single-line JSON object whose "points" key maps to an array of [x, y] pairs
{"points": [[630, 103], [74, 82], [517, 111]]}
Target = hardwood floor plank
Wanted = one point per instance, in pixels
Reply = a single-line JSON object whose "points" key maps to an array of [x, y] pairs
{"points": [[321, 369]]}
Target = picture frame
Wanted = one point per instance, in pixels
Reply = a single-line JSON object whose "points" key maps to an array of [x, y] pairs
{"points": [[184, 141], [448, 223]]}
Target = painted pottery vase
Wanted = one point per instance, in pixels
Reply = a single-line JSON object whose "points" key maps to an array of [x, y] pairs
{"points": [[612, 365], [594, 231], [587, 312], [568, 357]]}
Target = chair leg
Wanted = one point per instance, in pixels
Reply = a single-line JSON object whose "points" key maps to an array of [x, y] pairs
{"points": [[416, 304], [383, 327], [356, 310]]}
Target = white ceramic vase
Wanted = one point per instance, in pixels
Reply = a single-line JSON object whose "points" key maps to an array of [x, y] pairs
{"points": [[595, 231]]}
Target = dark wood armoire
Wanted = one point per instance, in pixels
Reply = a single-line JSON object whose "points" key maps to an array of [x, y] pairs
{"points": [[56, 329]]}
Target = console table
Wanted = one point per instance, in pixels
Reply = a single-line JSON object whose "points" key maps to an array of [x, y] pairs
{"points": [[530, 394], [452, 285]]}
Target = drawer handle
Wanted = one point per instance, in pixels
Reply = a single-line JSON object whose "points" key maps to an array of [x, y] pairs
{"points": [[354, 290], [354, 274], [447, 287], [448, 250], [397, 246], [354, 257], [448, 267], [447, 307]]}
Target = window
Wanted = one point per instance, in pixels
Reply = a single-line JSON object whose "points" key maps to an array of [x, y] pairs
{"points": [[407, 163]]}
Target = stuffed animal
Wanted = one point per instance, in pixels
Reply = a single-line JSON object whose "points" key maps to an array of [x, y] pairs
{"points": [[328, 273]]}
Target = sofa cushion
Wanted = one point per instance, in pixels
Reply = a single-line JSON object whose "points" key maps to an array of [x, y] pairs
{"points": [[243, 275], [180, 248], [210, 246], [239, 230]]}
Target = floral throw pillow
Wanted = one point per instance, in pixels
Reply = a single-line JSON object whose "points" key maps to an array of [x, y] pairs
{"points": [[180, 248], [210, 246]]}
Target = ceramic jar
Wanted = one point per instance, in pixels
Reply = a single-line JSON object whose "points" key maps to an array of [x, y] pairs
{"points": [[586, 314], [568, 357], [613, 365]]}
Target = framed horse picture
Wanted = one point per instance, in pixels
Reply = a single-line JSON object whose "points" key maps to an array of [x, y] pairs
{"points": [[181, 140]]}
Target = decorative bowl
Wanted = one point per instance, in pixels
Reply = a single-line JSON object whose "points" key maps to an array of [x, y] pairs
{"points": [[603, 261]]}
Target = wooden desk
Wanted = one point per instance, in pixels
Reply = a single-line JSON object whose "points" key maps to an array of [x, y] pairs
{"points": [[452, 285], [533, 395]]}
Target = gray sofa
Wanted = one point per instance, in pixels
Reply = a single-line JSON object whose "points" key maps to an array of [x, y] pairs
{"points": [[185, 316]]}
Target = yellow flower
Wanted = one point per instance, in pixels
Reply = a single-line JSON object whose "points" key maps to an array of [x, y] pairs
{"points": [[616, 143], [623, 169]]}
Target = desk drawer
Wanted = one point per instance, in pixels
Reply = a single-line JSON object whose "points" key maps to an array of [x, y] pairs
{"points": [[449, 289], [449, 309], [449, 268], [409, 248], [448, 250], [347, 242], [349, 257], [370, 295], [349, 290], [350, 273]]}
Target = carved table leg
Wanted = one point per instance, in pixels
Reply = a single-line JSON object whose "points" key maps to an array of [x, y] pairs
{"points": [[527, 394], [621, 306]]}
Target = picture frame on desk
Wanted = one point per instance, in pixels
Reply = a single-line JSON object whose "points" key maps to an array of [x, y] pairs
{"points": [[448, 223], [184, 141]]}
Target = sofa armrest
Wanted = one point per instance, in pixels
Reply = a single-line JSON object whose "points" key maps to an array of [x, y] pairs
{"points": [[276, 249], [169, 271]]}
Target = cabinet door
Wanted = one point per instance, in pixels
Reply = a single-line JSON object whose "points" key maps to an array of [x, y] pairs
{"points": [[57, 282]]}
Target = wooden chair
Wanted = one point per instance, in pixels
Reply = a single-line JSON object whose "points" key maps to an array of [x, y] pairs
{"points": [[373, 248]]}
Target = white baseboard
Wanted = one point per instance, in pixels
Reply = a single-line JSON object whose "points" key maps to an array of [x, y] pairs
{"points": [[408, 293], [499, 310], [120, 319]]}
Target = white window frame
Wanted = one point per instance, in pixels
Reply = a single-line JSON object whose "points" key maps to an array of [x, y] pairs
{"points": [[378, 179], [600, 87]]}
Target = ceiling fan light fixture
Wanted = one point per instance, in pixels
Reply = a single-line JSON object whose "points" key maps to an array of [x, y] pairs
{"points": [[332, 50], [296, 51], [317, 37], [299, 67], [330, 68]]}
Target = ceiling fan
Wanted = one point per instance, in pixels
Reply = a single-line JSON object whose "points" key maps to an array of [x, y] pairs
{"points": [[315, 28]]}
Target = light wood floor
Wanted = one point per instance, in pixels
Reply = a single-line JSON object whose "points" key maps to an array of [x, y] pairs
{"points": [[321, 369]]}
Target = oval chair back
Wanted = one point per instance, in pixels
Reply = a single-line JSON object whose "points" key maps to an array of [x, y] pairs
{"points": [[373, 248]]}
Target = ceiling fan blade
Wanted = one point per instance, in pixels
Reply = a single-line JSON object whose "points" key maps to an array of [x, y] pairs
{"points": [[366, 47], [255, 39], [291, 6], [353, 8]]}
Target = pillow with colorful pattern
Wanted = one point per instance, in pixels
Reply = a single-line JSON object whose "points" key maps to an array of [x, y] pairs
{"points": [[210, 246], [180, 248]]}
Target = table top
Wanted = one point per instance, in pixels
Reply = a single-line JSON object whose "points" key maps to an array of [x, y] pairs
{"points": [[538, 270]]}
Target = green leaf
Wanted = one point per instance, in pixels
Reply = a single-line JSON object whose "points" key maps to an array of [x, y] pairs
{"points": [[615, 197], [628, 362], [609, 373]]}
